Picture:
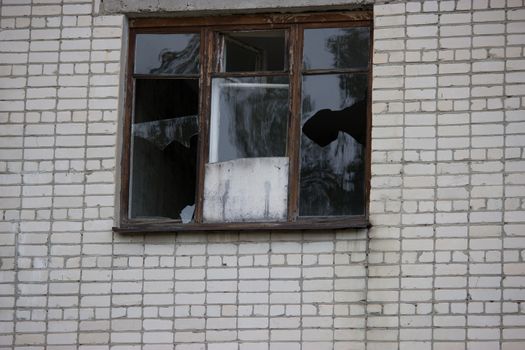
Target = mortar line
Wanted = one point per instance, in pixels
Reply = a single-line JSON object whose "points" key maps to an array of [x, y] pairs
{"points": [[237, 282], [143, 269], [334, 302], [85, 170], [301, 289], [403, 164], [503, 204], [433, 311], [17, 230], [268, 303], [206, 280], [124, 37], [470, 161], [53, 183]]}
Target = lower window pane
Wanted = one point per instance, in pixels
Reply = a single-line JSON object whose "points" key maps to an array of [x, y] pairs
{"points": [[164, 149], [333, 141], [246, 179]]}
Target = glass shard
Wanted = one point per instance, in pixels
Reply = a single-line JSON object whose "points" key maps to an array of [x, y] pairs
{"points": [[163, 132], [250, 51], [333, 48], [333, 145], [186, 215], [249, 118], [164, 148], [167, 54]]}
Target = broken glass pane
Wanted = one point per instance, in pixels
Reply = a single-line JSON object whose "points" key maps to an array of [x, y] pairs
{"points": [[333, 141], [167, 54], [164, 149], [250, 51], [329, 48], [163, 132], [249, 118]]}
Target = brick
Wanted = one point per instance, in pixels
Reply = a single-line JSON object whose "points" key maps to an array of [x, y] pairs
{"points": [[446, 201]]}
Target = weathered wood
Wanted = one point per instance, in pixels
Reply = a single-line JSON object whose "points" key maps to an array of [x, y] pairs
{"points": [[303, 224], [335, 71], [237, 20], [126, 132], [210, 53], [248, 74], [166, 76], [368, 150], [294, 127], [205, 86]]}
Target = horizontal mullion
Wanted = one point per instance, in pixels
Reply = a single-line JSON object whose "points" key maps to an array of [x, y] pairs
{"points": [[338, 24], [165, 76], [335, 71], [325, 219], [249, 74]]}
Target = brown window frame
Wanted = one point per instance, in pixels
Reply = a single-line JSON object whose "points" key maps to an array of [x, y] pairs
{"points": [[208, 27]]}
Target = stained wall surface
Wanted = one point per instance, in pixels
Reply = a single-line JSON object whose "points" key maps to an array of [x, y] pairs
{"points": [[442, 266]]}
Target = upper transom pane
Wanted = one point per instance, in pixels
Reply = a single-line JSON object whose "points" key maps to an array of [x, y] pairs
{"points": [[167, 54], [249, 51], [336, 48]]}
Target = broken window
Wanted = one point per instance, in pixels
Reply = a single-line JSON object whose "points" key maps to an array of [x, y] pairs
{"points": [[333, 144], [334, 121], [247, 122], [165, 127]]}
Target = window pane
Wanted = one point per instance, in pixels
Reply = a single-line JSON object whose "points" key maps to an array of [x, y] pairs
{"points": [[254, 51], [333, 141], [336, 48], [164, 149], [167, 54], [249, 118], [246, 178]]}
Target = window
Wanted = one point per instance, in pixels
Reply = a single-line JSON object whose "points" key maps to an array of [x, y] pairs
{"points": [[247, 122]]}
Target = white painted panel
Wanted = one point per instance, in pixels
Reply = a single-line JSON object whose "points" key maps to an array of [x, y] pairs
{"points": [[247, 189]]}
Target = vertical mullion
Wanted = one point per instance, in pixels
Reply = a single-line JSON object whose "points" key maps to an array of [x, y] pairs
{"points": [[125, 162], [368, 150], [207, 55], [294, 140]]}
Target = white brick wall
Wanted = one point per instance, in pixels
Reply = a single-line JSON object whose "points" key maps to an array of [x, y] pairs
{"points": [[443, 266], [444, 183]]}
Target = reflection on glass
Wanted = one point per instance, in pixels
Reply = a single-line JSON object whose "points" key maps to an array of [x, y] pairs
{"points": [[333, 145], [254, 51], [336, 48], [249, 118], [164, 149], [167, 54]]}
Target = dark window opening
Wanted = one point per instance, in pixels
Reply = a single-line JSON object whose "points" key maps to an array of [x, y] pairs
{"points": [[250, 51]]}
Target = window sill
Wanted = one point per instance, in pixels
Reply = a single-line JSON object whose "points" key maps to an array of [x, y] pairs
{"points": [[304, 224]]}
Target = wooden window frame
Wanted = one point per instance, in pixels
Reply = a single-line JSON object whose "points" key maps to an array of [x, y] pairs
{"points": [[208, 27]]}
